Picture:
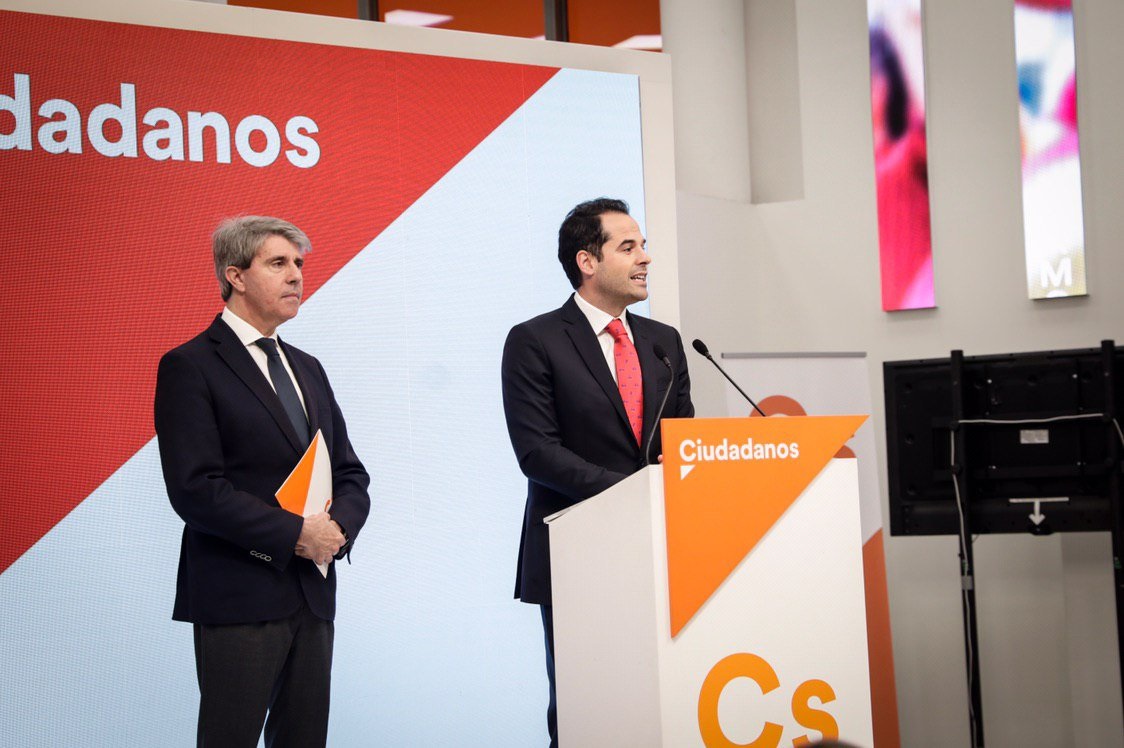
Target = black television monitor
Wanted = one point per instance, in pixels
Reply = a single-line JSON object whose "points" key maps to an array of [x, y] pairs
{"points": [[1006, 461]]}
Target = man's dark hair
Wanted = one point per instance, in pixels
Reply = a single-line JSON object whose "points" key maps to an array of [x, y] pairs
{"points": [[582, 230]]}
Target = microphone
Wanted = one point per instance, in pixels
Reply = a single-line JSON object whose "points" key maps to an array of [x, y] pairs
{"points": [[661, 354], [701, 348]]}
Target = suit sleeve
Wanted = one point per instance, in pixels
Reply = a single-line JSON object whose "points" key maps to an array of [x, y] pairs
{"points": [[532, 422], [350, 500], [191, 455]]}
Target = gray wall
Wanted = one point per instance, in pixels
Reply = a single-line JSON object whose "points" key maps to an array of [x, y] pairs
{"points": [[802, 275]]}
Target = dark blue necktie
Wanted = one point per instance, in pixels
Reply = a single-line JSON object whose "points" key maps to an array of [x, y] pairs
{"points": [[284, 387]]}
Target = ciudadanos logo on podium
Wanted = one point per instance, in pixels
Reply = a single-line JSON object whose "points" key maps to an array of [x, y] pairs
{"points": [[764, 563], [694, 451]]}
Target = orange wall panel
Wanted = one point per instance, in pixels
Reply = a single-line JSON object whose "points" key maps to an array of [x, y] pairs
{"points": [[606, 24]]}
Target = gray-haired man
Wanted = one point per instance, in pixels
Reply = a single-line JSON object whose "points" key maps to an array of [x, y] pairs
{"points": [[235, 409]]}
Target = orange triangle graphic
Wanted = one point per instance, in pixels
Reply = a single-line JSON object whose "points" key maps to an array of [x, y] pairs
{"points": [[746, 473], [294, 491]]}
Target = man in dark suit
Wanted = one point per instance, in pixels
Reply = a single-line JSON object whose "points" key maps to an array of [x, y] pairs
{"points": [[235, 410], [581, 387]]}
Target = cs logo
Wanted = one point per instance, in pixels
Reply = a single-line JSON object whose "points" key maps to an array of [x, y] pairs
{"points": [[745, 665]]}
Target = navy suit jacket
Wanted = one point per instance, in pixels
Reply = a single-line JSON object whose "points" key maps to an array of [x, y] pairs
{"points": [[567, 422], [226, 446]]}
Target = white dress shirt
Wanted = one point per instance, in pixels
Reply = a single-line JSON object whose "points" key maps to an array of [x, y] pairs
{"points": [[249, 335]]}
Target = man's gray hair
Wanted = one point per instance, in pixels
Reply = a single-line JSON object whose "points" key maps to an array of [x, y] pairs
{"points": [[237, 240]]}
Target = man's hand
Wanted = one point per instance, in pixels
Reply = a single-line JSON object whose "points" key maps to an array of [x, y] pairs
{"points": [[320, 539]]}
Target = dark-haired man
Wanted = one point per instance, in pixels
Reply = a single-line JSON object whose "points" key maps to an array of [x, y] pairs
{"points": [[235, 409], [581, 386]]}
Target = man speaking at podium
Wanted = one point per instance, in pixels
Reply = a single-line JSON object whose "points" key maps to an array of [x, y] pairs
{"points": [[235, 409], [582, 386]]}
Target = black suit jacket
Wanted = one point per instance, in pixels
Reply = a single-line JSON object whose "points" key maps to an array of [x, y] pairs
{"points": [[568, 424], [226, 446]]}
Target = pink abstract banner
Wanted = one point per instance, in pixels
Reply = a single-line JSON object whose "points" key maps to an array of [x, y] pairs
{"points": [[1053, 225], [897, 92]]}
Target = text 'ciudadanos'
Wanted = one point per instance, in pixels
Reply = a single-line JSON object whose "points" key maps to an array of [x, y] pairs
{"points": [[697, 450], [161, 134]]}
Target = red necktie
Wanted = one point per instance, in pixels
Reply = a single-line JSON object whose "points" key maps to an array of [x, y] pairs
{"points": [[629, 380]]}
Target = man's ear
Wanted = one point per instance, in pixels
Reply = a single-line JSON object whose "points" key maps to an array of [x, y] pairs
{"points": [[587, 263], [234, 277]]}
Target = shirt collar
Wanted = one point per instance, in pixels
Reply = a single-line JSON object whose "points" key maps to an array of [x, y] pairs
{"points": [[599, 319], [246, 332]]}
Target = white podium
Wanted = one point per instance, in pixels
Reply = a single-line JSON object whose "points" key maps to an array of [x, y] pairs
{"points": [[769, 644]]}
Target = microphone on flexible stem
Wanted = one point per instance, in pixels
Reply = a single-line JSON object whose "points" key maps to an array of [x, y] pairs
{"points": [[701, 348], [661, 354]]}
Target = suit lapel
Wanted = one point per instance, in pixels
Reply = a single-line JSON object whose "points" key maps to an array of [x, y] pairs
{"points": [[584, 340], [231, 351]]}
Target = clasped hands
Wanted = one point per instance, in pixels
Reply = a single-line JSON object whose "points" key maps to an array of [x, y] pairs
{"points": [[321, 538]]}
